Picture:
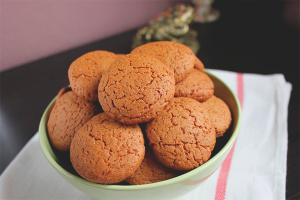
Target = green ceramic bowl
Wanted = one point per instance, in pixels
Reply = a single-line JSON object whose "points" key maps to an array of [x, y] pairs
{"points": [[167, 189]]}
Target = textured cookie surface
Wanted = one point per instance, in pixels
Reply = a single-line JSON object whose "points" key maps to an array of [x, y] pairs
{"points": [[197, 86], [182, 136], [151, 171], [69, 113], [199, 65], [106, 151], [177, 56], [136, 88], [86, 71], [120, 55], [219, 113]]}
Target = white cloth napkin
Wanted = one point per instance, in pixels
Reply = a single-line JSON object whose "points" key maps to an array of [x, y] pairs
{"points": [[254, 169]]}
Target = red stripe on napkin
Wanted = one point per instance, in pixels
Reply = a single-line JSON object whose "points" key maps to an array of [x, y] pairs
{"points": [[240, 88], [225, 167]]}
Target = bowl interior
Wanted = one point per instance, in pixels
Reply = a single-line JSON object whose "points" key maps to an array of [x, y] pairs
{"points": [[61, 161]]}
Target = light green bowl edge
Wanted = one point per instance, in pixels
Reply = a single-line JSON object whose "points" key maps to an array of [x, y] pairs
{"points": [[44, 143]]}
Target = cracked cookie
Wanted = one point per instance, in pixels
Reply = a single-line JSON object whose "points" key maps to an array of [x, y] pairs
{"points": [[136, 88], [86, 71], [199, 65], [197, 86], [151, 171], [69, 113], [177, 56], [182, 136], [106, 151], [219, 113]]}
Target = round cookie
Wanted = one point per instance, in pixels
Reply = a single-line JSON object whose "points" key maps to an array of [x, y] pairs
{"points": [[136, 88], [151, 171], [69, 113], [106, 151], [86, 71], [120, 55], [182, 136], [197, 86], [177, 56], [199, 65], [219, 113]]}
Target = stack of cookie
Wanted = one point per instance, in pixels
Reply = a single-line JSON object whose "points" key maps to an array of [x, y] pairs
{"points": [[159, 93]]}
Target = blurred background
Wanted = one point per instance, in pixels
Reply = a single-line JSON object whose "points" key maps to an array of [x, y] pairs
{"points": [[34, 29]]}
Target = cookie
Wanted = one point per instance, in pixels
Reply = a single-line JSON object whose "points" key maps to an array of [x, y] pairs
{"points": [[182, 136], [69, 113], [136, 88], [199, 65], [86, 71], [150, 171], [177, 56], [106, 151], [219, 113], [120, 55], [197, 86]]}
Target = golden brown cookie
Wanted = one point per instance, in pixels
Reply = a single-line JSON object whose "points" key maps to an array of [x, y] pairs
{"points": [[197, 86], [86, 71], [120, 55], [69, 113], [182, 136], [106, 151], [199, 65], [136, 88], [177, 56], [151, 171], [219, 113]]}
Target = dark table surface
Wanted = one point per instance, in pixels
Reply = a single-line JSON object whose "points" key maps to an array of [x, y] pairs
{"points": [[250, 37]]}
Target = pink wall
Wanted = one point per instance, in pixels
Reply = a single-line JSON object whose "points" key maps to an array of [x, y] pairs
{"points": [[32, 29]]}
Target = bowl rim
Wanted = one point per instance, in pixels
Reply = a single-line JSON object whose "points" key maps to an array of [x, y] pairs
{"points": [[43, 137]]}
